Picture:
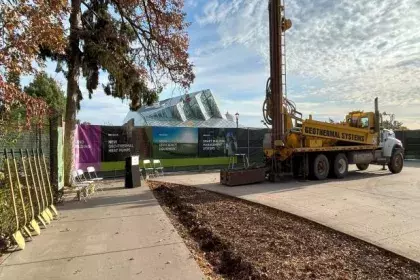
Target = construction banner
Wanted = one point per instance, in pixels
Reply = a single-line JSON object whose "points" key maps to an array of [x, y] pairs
{"points": [[217, 142], [97, 144], [231, 141], [106, 147], [211, 142], [119, 143], [87, 146], [175, 142]]}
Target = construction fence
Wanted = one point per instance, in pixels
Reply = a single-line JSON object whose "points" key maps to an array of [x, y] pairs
{"points": [[29, 178], [411, 142], [178, 148]]}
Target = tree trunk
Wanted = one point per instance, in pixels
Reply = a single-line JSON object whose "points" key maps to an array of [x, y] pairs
{"points": [[73, 65]]}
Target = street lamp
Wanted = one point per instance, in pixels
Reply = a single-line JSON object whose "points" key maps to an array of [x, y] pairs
{"points": [[237, 119]]}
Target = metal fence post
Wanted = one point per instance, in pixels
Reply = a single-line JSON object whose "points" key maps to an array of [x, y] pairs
{"points": [[248, 143]]}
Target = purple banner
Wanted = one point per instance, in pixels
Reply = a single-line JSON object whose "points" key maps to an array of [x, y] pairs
{"points": [[88, 147]]}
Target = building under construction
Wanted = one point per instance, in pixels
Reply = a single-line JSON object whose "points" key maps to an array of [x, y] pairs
{"points": [[198, 109]]}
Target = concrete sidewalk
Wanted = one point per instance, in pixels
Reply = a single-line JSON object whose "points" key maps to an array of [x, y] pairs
{"points": [[374, 205], [118, 234]]}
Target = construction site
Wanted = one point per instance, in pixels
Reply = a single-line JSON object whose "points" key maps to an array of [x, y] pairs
{"points": [[203, 198]]}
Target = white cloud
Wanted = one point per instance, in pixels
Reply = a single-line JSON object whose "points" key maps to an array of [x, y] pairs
{"points": [[191, 3], [340, 55], [357, 50]]}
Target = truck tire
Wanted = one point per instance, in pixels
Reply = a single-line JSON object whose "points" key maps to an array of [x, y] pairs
{"points": [[397, 161], [340, 166], [320, 167], [362, 166]]}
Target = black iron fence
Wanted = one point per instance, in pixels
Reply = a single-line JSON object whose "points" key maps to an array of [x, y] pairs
{"points": [[411, 142]]}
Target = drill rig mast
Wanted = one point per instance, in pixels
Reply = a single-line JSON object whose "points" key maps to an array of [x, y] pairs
{"points": [[273, 108], [310, 148]]}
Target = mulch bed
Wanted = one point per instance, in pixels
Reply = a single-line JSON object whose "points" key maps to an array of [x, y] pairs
{"points": [[235, 239]]}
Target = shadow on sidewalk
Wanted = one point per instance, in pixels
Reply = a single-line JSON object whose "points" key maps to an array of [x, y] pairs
{"points": [[114, 196]]}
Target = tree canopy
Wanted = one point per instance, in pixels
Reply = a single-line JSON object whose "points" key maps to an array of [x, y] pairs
{"points": [[23, 27], [391, 123], [394, 125], [139, 44], [49, 90]]}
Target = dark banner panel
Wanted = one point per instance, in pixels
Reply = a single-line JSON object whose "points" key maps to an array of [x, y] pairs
{"points": [[117, 143], [146, 147], [242, 134], [256, 137], [217, 142], [175, 142], [211, 142], [411, 142], [256, 155]]}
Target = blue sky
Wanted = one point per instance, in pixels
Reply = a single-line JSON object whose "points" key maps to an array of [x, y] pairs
{"points": [[340, 56]]}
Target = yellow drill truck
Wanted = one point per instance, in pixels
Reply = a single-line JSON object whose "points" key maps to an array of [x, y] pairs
{"points": [[318, 149]]}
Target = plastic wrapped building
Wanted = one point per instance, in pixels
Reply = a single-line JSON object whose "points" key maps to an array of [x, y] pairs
{"points": [[198, 109]]}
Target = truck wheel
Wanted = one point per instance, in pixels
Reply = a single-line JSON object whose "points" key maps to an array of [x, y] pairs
{"points": [[320, 167], [341, 166], [362, 166], [397, 162]]}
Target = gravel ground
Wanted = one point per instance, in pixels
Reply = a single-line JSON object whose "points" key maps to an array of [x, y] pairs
{"points": [[236, 239]]}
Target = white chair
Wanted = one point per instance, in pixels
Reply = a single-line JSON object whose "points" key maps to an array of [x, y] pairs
{"points": [[81, 188], [94, 177], [148, 168], [157, 166], [84, 180]]}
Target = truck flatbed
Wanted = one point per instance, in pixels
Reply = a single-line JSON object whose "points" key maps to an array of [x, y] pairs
{"points": [[335, 148]]}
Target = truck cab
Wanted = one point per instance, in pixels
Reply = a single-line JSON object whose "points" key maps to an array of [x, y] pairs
{"points": [[360, 119], [389, 142]]}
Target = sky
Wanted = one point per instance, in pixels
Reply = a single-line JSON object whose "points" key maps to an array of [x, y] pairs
{"points": [[340, 56]]}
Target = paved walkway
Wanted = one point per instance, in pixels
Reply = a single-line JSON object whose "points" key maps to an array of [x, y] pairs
{"points": [[373, 205], [118, 234]]}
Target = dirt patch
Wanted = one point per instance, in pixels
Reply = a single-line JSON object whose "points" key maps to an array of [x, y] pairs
{"points": [[236, 239]]}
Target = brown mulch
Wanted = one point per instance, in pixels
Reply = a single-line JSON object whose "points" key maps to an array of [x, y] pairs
{"points": [[236, 239]]}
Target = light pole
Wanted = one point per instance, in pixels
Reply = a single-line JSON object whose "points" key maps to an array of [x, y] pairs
{"points": [[237, 119]]}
